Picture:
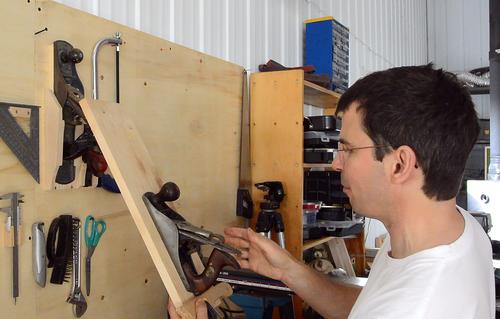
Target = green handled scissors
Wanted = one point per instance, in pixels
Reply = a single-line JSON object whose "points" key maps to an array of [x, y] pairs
{"points": [[94, 229]]}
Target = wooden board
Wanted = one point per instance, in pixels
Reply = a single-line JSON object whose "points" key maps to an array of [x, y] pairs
{"points": [[340, 255], [276, 136], [188, 115], [135, 174]]}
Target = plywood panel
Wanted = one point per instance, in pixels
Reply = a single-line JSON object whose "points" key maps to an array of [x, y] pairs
{"points": [[175, 98], [276, 136], [17, 52], [186, 105]]}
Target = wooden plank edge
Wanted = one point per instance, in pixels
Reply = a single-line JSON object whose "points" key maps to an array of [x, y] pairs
{"points": [[143, 221], [213, 296]]}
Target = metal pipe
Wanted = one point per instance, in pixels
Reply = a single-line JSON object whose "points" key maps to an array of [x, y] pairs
{"points": [[494, 167], [117, 41]]}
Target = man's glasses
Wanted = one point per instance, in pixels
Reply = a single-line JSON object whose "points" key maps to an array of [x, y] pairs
{"points": [[342, 154]]}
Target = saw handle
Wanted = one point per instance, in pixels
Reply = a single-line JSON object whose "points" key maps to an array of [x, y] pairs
{"points": [[207, 278]]}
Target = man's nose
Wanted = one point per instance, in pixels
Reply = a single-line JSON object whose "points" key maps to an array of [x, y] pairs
{"points": [[336, 164]]}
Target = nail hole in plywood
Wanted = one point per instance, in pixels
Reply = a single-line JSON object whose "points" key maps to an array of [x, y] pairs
{"points": [[201, 60], [102, 297], [29, 238], [146, 280], [145, 83], [39, 9], [125, 249], [102, 77]]}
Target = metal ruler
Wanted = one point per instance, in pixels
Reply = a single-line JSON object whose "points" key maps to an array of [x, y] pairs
{"points": [[14, 220], [23, 146]]}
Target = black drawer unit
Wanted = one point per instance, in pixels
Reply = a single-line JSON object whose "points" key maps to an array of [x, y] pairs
{"points": [[322, 123], [321, 139], [324, 186]]}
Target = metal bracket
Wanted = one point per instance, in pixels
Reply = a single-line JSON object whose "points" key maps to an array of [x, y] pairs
{"points": [[24, 146]]}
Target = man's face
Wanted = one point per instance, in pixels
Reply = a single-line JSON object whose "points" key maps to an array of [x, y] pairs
{"points": [[362, 175]]}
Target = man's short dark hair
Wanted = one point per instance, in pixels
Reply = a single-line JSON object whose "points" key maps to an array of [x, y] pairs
{"points": [[425, 109]]}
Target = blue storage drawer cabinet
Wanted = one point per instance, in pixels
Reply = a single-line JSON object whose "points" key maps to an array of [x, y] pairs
{"points": [[327, 48]]}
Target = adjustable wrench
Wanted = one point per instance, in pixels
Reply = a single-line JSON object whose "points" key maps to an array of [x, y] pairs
{"points": [[76, 296]]}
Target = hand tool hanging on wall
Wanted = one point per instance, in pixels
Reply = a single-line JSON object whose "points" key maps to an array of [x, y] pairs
{"points": [[93, 231], [69, 90], [107, 181], [39, 255], [24, 146], [13, 223], [182, 239], [60, 257], [116, 41], [76, 296], [244, 203]]}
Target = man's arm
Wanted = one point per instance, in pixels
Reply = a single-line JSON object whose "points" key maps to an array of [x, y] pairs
{"points": [[330, 299]]}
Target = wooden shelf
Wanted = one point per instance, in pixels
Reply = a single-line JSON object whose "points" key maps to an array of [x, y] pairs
{"points": [[327, 167], [308, 244], [319, 96]]}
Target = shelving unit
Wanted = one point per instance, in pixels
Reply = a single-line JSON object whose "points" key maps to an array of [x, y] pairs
{"points": [[276, 134], [277, 153]]}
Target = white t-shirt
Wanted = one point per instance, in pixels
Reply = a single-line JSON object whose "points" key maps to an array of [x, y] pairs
{"points": [[447, 281]]}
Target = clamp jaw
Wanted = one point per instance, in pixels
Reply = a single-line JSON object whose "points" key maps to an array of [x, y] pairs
{"points": [[182, 239]]}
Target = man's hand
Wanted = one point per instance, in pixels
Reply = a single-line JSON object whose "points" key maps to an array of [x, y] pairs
{"points": [[260, 254], [201, 310]]}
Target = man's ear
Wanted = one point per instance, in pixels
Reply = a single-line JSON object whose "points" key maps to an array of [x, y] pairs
{"points": [[402, 164]]}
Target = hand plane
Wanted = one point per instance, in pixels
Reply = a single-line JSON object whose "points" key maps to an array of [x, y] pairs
{"points": [[69, 91], [183, 239]]}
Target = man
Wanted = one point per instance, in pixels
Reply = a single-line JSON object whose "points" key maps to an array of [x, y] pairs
{"points": [[406, 135]]}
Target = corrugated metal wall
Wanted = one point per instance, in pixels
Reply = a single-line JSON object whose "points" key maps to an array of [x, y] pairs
{"points": [[459, 39], [383, 33]]}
